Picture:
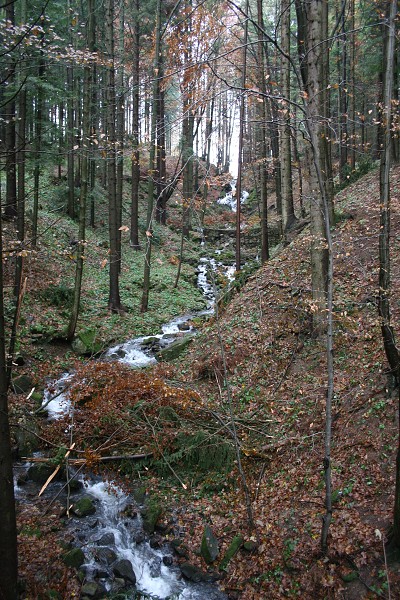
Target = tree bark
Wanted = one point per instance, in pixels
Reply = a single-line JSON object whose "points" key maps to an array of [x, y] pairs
{"points": [[389, 341], [135, 160], [152, 164], [8, 530], [288, 216], [114, 302]]}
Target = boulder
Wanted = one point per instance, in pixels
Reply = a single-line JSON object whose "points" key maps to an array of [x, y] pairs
{"points": [[107, 539], [209, 546], [23, 384], [84, 507], [74, 558], [106, 555], [123, 568], [92, 589], [27, 441], [175, 349], [180, 548], [150, 514], [234, 546], [40, 472], [86, 343], [192, 573]]}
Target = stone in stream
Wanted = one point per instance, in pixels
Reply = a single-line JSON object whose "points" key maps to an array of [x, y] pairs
{"points": [[123, 568], [192, 573], [107, 539], [40, 472], [74, 558], [84, 507], [92, 589], [105, 555], [175, 349], [209, 546]]}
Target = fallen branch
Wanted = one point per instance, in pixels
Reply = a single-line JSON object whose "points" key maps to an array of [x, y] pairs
{"points": [[82, 461]]}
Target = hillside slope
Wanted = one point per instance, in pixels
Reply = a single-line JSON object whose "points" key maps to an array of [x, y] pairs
{"points": [[260, 358]]}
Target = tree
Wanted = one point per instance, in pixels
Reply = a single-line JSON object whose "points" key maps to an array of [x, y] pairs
{"points": [[8, 529], [114, 302], [152, 162], [389, 342], [135, 158], [288, 216], [85, 175], [241, 135]]}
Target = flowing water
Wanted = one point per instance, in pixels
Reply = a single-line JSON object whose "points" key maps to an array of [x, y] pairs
{"points": [[115, 533]]}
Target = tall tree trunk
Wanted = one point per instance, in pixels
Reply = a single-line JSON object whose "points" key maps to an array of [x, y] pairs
{"points": [[114, 301], [241, 135], [288, 216], [8, 529], [161, 209], [310, 43], [85, 177], [20, 160], [389, 342], [70, 143], [262, 135], [120, 131], [39, 109], [152, 164], [10, 209], [135, 161]]}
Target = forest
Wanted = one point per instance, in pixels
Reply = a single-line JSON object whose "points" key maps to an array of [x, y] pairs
{"points": [[199, 299]]}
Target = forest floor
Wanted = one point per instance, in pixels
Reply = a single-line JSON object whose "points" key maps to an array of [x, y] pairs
{"points": [[259, 361]]}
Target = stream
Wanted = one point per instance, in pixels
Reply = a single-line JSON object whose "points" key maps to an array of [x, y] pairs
{"points": [[114, 535]]}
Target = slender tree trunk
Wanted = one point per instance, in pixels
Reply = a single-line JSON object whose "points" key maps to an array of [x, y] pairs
{"points": [[70, 144], [120, 130], [288, 216], [85, 176], [8, 529], [152, 164], [241, 133], [134, 236], [10, 208], [37, 146], [114, 302], [389, 342], [262, 136], [21, 162]]}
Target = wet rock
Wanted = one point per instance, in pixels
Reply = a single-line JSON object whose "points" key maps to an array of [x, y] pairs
{"points": [[92, 589], [22, 384], [26, 436], [184, 326], [234, 546], [108, 539], [84, 507], [175, 349], [139, 537], [156, 541], [155, 567], [168, 561], [123, 568], [118, 585], [180, 548], [150, 342], [150, 514], [106, 555], [130, 511], [192, 573], [209, 546], [87, 343], [40, 472], [250, 546], [74, 558]]}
